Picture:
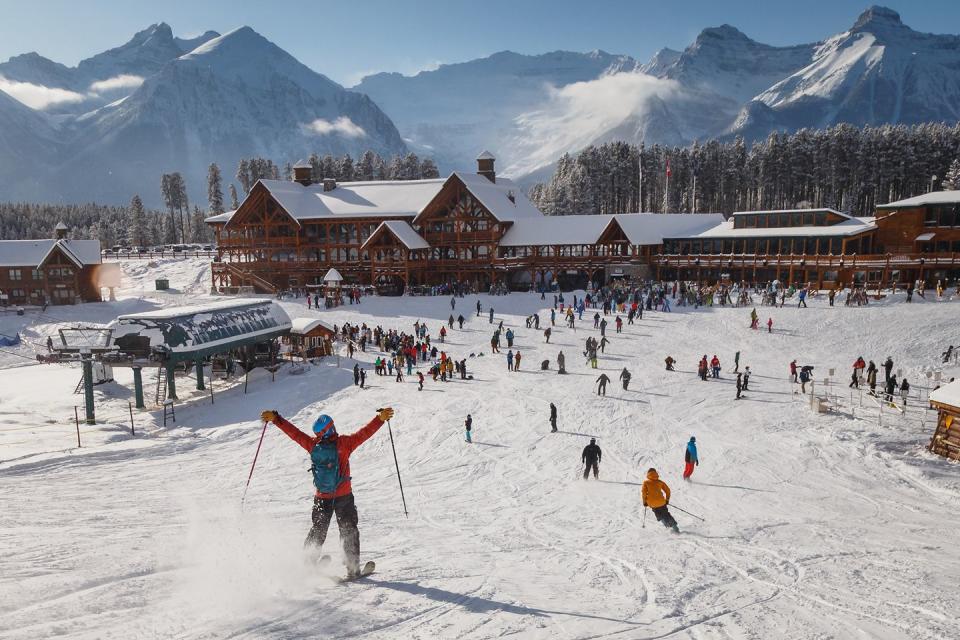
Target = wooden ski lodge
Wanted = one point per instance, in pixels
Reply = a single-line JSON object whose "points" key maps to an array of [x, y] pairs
{"points": [[481, 229], [53, 271]]}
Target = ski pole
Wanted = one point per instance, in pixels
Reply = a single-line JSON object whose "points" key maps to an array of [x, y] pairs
{"points": [[397, 464], [643, 525], [249, 477], [687, 512]]}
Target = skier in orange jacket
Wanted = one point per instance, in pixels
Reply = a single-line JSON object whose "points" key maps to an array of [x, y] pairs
{"points": [[656, 495]]}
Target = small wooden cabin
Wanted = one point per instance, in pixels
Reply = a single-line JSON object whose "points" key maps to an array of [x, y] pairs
{"points": [[311, 338], [946, 439]]}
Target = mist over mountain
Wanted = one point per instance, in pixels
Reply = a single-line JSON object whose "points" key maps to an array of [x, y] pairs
{"points": [[111, 125]]}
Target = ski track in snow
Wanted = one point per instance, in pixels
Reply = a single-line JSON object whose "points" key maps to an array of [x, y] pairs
{"points": [[816, 526]]}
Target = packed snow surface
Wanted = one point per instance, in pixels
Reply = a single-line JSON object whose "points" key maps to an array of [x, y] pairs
{"points": [[815, 525]]}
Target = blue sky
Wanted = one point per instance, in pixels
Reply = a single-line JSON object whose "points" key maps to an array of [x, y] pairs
{"points": [[346, 40]]}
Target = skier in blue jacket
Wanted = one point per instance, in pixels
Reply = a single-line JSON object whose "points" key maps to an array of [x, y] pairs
{"points": [[691, 458]]}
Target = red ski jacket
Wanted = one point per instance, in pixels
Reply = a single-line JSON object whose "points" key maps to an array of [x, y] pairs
{"points": [[345, 446]]}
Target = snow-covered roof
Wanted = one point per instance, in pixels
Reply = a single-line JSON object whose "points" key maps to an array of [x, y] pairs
{"points": [[948, 394], [403, 232], [182, 331], [168, 313], [934, 197], [554, 230], [485, 155], [220, 217], [925, 237], [396, 198], [303, 326], [32, 253], [332, 276], [850, 227], [652, 228], [496, 197], [819, 210], [640, 228]]}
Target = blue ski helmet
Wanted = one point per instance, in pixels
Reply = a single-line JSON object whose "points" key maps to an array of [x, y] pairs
{"points": [[323, 426]]}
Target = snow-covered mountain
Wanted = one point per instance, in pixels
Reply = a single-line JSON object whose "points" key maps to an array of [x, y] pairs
{"points": [[877, 72], [725, 84], [173, 109], [457, 109]]}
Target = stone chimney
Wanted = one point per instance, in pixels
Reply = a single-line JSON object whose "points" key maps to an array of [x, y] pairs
{"points": [[60, 231], [485, 166], [329, 184], [303, 173]]}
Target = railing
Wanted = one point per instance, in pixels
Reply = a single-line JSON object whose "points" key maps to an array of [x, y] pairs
{"points": [[150, 255], [865, 261]]}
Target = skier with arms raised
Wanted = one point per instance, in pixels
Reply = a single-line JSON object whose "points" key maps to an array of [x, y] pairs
{"points": [[330, 455]]}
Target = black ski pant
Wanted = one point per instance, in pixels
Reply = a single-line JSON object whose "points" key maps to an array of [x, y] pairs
{"points": [[591, 464], [664, 517], [553, 424], [347, 521]]}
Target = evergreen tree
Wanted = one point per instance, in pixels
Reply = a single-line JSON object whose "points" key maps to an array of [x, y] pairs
{"points": [[234, 203], [214, 190], [243, 175], [137, 232], [428, 169], [951, 180]]}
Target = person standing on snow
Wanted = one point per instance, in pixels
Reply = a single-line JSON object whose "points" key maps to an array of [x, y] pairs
{"points": [[603, 380], [591, 459], [516, 361], [561, 363], [625, 377], [478, 308], [356, 375], [715, 366], [872, 378], [690, 457], [669, 362], [656, 495], [510, 360], [468, 424], [363, 378], [491, 315], [736, 362], [793, 369], [420, 380], [330, 455], [739, 385], [553, 417], [746, 378]]}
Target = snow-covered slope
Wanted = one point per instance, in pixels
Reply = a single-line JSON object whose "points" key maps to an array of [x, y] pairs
{"points": [[816, 526], [457, 109]]}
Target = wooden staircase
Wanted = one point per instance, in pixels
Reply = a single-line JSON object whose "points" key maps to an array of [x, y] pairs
{"points": [[242, 277]]}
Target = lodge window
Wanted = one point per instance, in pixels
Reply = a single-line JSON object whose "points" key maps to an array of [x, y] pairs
{"points": [[931, 218], [796, 220], [16, 274], [808, 219], [821, 219], [35, 274], [17, 293], [751, 246], [955, 246]]}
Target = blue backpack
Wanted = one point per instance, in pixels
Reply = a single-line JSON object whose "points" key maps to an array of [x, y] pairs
{"points": [[326, 467]]}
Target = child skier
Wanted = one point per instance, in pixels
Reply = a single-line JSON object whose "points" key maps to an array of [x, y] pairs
{"points": [[330, 454], [468, 423], [656, 495], [690, 457]]}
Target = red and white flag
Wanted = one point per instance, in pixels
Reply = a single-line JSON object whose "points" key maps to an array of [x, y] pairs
{"points": [[668, 167]]}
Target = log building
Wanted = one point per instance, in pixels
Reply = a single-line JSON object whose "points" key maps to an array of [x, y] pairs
{"points": [[481, 229], [50, 271]]}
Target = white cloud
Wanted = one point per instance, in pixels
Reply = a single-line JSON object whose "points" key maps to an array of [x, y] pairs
{"points": [[123, 81], [575, 115], [343, 126], [37, 96]]}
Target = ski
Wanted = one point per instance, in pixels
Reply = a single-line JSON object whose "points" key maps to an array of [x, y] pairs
{"points": [[365, 571]]}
